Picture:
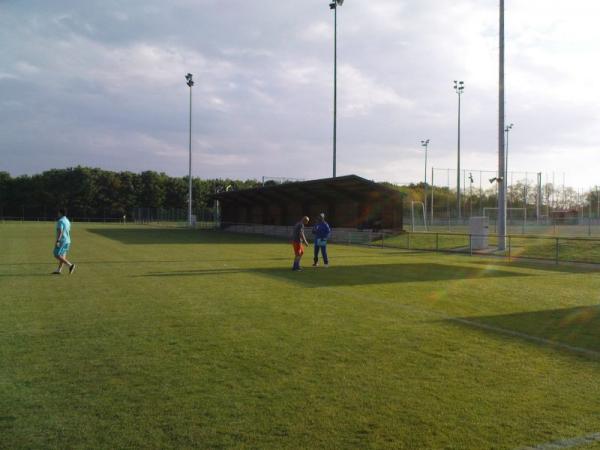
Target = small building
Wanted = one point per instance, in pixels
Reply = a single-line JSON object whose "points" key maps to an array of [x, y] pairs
{"points": [[348, 202]]}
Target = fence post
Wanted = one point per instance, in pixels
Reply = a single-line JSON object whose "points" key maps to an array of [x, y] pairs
{"points": [[471, 244], [556, 251], [509, 247], [409, 241]]}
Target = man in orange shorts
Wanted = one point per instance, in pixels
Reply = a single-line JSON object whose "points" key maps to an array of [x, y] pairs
{"points": [[298, 238]]}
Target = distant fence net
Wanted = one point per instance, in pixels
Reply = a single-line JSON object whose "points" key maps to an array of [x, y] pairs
{"points": [[201, 218], [537, 203]]}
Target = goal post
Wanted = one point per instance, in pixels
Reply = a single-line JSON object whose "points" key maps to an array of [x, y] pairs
{"points": [[420, 211]]}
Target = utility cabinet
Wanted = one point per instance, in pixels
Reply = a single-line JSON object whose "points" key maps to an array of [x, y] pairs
{"points": [[479, 230]]}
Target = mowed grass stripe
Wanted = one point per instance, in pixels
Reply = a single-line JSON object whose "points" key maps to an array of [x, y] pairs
{"points": [[227, 349]]}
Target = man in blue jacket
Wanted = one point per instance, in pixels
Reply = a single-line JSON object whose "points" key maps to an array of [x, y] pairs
{"points": [[321, 230]]}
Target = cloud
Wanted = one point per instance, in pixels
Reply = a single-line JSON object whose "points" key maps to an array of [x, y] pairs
{"points": [[101, 83], [317, 32], [362, 94], [26, 69]]}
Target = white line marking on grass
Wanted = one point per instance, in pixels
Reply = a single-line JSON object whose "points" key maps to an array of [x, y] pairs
{"points": [[566, 443], [555, 445], [571, 348]]}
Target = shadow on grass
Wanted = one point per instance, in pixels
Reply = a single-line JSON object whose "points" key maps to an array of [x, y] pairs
{"points": [[147, 236], [357, 275], [576, 330], [141, 261], [27, 275], [538, 264], [379, 255]]}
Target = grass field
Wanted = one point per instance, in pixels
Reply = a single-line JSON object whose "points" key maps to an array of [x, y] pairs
{"points": [[170, 338]]}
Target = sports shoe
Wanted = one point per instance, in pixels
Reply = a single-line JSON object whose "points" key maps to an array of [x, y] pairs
{"points": [[71, 269], [315, 264], [56, 272]]}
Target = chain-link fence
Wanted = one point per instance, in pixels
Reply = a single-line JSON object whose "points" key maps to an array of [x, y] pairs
{"points": [[515, 224], [174, 216], [537, 203], [50, 218], [201, 218]]}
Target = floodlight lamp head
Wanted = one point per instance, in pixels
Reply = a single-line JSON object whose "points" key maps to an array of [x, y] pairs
{"points": [[190, 82], [459, 86], [332, 5], [340, 2]]}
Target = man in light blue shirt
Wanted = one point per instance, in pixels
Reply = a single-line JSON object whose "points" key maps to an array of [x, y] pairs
{"points": [[63, 242]]}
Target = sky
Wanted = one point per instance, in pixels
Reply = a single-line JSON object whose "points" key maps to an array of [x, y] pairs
{"points": [[101, 83]]}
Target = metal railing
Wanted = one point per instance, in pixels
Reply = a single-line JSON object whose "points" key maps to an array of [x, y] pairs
{"points": [[72, 219], [567, 227], [536, 247]]}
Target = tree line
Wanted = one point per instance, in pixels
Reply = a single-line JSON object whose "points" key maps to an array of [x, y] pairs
{"points": [[96, 193]]}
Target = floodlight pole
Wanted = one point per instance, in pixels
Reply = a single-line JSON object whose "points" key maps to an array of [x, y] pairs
{"points": [[333, 5], [470, 194], [334, 87], [501, 157], [459, 87], [190, 83], [507, 130], [425, 144]]}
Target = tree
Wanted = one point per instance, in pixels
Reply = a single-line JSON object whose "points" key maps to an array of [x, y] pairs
{"points": [[152, 191], [176, 193], [4, 186]]}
